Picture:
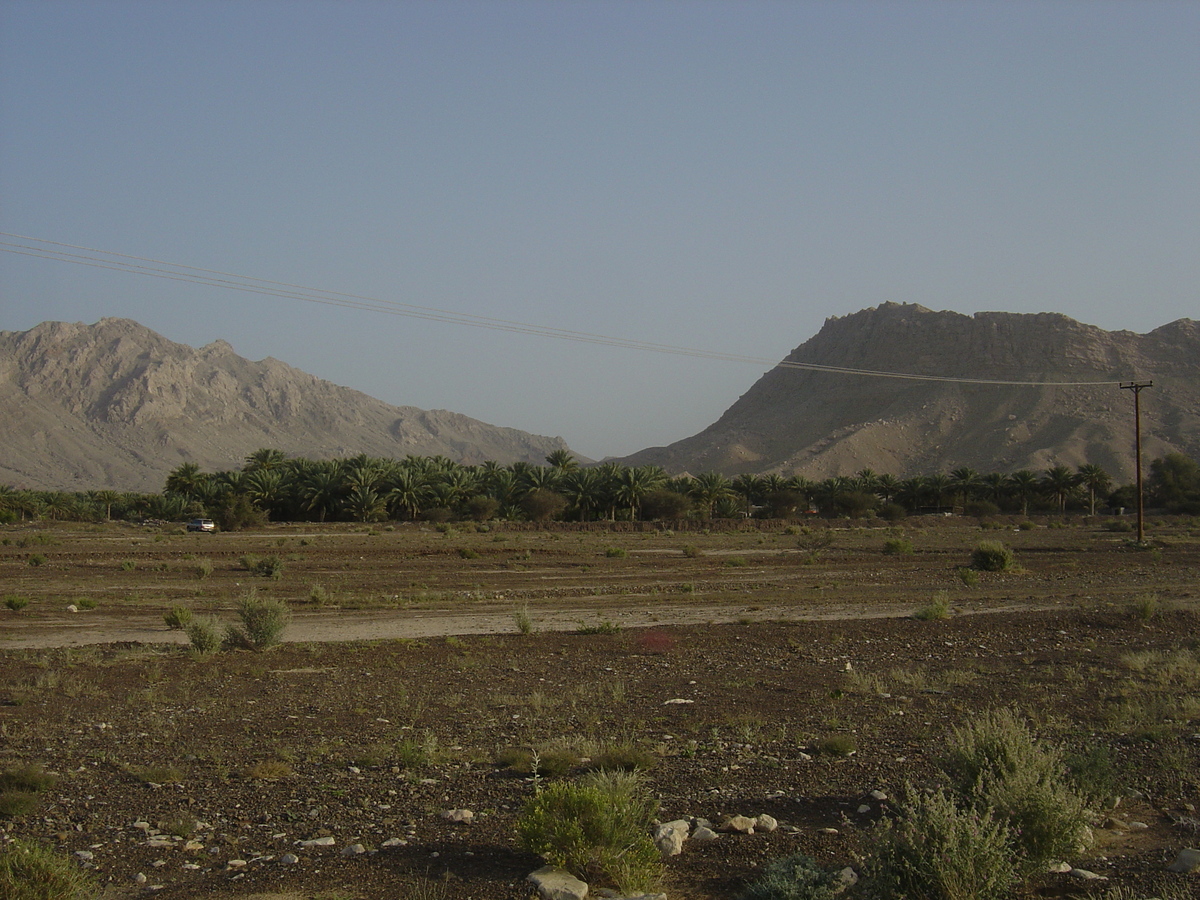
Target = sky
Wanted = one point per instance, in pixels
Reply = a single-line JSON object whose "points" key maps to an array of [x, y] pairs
{"points": [[714, 175]]}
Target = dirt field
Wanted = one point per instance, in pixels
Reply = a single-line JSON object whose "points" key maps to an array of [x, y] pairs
{"points": [[405, 675]]}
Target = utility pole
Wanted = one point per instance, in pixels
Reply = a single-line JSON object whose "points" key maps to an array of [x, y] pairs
{"points": [[1136, 387]]}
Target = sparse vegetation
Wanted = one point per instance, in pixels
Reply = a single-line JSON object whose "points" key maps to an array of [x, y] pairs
{"points": [[993, 556], [897, 547], [177, 618], [263, 623], [936, 610], [795, 877], [32, 872], [15, 602], [204, 635]]}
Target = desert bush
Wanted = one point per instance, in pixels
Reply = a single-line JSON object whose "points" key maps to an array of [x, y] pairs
{"points": [[897, 546], [27, 778], [468, 553], [737, 562], [15, 602], [522, 620], [691, 551], [937, 609], [938, 851], [994, 763], [128, 565], [177, 618], [1117, 525], [795, 877], [604, 627], [968, 576], [892, 512], [1093, 772], [263, 623], [547, 763], [623, 758], [838, 745], [86, 603], [30, 872], [14, 804], [269, 770], [265, 567], [598, 829], [159, 774], [993, 556], [204, 568], [616, 553], [37, 559], [1145, 607], [204, 635], [1027, 525]]}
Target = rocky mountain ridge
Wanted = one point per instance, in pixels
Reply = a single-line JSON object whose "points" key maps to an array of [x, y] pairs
{"points": [[822, 423], [116, 405]]}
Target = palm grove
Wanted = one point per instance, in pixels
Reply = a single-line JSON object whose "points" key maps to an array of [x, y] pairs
{"points": [[273, 486]]}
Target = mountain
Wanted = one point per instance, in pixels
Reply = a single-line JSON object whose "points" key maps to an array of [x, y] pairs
{"points": [[115, 405], [820, 424]]}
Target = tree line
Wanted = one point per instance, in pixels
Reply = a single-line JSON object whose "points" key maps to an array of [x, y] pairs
{"points": [[274, 486]]}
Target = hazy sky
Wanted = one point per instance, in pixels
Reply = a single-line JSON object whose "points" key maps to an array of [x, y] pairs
{"points": [[714, 175]]}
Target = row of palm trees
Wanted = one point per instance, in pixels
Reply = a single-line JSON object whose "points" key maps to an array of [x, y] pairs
{"points": [[364, 488]]}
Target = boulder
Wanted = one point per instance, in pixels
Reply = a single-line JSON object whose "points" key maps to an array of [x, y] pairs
{"points": [[554, 883]]}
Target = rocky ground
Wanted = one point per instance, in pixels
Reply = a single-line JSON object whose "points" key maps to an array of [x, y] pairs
{"points": [[246, 773]]}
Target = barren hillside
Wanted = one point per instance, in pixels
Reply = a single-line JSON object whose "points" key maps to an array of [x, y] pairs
{"points": [[821, 424], [115, 405]]}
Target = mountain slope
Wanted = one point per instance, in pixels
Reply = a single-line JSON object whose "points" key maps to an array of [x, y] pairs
{"points": [[821, 424], [116, 405]]}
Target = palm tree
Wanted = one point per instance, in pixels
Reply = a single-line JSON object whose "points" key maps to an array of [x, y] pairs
{"points": [[750, 489], [994, 486], [886, 486], [1096, 480], [265, 459], [363, 504], [966, 483], [563, 461], [633, 484], [708, 489], [408, 494], [937, 486], [321, 492], [105, 499], [265, 488], [584, 490], [1060, 481], [1023, 484], [186, 480]]}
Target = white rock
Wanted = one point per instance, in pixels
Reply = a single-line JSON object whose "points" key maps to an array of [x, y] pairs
{"points": [[864, 809], [677, 701], [554, 883], [669, 837], [459, 815], [85, 854], [1085, 875], [289, 859], [236, 863], [139, 878], [739, 825], [72, 608], [1059, 868], [394, 842], [877, 795], [847, 878], [828, 831], [704, 833], [354, 850], [765, 823]]}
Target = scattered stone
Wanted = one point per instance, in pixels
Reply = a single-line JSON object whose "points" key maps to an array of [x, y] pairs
{"points": [[554, 883], [72, 608], [704, 833], [738, 825], [669, 837], [289, 859], [354, 850], [85, 855], [877, 795], [459, 815], [1187, 862], [677, 701], [327, 841], [193, 845], [1085, 875], [1138, 826], [765, 823], [1059, 868], [139, 878], [847, 878], [864, 809], [236, 864], [394, 842], [191, 867], [828, 831], [141, 825]]}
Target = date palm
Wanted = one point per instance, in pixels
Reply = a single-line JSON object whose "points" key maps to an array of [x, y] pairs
{"points": [[1096, 480], [563, 461], [584, 490], [1059, 481], [408, 494], [708, 489], [321, 492], [1023, 485]]}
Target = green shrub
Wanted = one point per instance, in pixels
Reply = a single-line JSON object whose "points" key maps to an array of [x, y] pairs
{"points": [[892, 512], [795, 877], [204, 635], [547, 763], [604, 627], [15, 602], [938, 609], [128, 565], [897, 547], [30, 872], [177, 617], [1117, 525], [692, 552], [27, 778], [994, 763], [37, 559], [838, 745], [204, 568], [1145, 606], [623, 758], [993, 556], [616, 553], [968, 576], [263, 623], [1027, 525], [522, 620], [468, 553], [14, 804], [981, 509], [86, 603], [937, 851], [737, 562], [597, 829], [266, 567]]}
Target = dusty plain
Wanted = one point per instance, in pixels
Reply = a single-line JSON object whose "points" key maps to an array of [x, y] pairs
{"points": [[406, 675]]}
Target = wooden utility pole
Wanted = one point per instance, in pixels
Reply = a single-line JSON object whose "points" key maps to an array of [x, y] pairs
{"points": [[1136, 387]]}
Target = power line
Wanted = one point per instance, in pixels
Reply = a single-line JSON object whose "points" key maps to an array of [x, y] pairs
{"points": [[58, 251]]}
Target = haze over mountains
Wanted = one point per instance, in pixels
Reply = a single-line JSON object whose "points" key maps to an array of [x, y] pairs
{"points": [[115, 405], [822, 424]]}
